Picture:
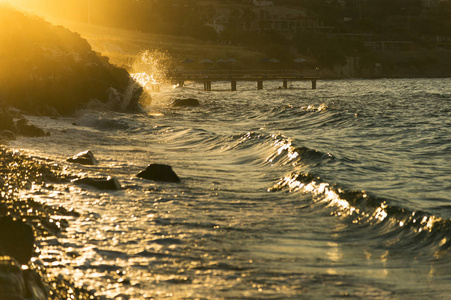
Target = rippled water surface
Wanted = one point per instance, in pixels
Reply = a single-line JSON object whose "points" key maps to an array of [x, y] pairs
{"points": [[343, 191]]}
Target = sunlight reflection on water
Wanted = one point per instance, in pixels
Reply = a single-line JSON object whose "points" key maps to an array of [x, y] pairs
{"points": [[220, 233]]}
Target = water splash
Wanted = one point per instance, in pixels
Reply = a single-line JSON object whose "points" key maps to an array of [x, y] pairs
{"points": [[143, 79], [152, 67]]}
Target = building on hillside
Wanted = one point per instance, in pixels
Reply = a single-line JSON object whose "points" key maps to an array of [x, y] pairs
{"points": [[262, 16], [391, 46], [287, 21], [360, 37]]}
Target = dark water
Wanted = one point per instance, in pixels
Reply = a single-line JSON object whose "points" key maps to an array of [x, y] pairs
{"points": [[339, 192]]}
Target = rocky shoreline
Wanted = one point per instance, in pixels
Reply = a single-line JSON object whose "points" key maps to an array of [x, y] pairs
{"points": [[26, 222], [51, 71], [22, 274]]}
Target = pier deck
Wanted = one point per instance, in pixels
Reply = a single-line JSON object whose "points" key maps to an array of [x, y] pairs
{"points": [[209, 76]]}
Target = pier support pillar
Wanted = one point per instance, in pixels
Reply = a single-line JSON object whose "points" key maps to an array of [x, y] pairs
{"points": [[285, 84], [259, 85], [313, 84], [233, 85], [207, 85]]}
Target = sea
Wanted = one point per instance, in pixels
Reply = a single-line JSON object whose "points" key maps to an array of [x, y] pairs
{"points": [[343, 191]]}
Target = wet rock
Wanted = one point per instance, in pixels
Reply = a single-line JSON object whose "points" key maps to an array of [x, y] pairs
{"points": [[26, 129], [35, 287], [159, 172], [16, 239], [83, 158], [12, 284], [134, 105], [185, 102], [109, 183], [18, 284]]}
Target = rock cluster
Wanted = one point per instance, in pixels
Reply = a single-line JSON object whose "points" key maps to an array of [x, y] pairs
{"points": [[22, 220], [50, 70], [156, 172], [13, 124]]}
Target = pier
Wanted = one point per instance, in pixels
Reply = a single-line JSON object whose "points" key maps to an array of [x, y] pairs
{"points": [[208, 76]]}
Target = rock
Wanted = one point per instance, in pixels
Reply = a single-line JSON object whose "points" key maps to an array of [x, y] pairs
{"points": [[7, 135], [12, 284], [47, 110], [83, 158], [26, 129], [159, 172], [109, 183], [60, 70], [35, 287], [18, 284], [7, 122], [16, 239], [134, 106], [185, 102]]}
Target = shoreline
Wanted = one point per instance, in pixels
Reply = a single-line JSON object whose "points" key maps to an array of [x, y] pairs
{"points": [[27, 278], [49, 173]]}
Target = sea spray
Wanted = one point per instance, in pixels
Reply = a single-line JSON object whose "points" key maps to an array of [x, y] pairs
{"points": [[153, 67]]}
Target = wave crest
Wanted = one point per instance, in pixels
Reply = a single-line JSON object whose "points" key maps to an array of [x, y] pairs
{"points": [[377, 218]]}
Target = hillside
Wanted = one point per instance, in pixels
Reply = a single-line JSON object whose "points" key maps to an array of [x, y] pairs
{"points": [[124, 47], [49, 69], [344, 38]]}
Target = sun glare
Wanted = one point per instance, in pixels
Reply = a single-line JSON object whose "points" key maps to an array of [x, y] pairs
{"points": [[79, 10]]}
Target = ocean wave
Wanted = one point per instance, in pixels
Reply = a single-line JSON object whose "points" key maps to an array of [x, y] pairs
{"points": [[375, 218], [381, 221], [100, 122], [286, 152]]}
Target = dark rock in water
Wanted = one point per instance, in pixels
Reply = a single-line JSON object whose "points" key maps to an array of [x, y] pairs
{"points": [[109, 183], [26, 129], [159, 172], [185, 102], [16, 239], [83, 158]]}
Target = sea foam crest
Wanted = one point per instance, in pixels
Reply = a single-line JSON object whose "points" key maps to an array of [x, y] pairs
{"points": [[288, 153], [360, 208]]}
